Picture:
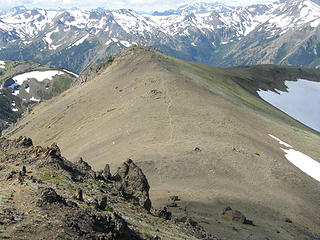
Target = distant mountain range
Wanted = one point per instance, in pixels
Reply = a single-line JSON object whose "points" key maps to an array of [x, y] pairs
{"points": [[285, 32]]}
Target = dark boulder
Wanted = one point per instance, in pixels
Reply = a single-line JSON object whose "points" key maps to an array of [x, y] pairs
{"points": [[48, 195], [133, 183], [234, 215], [163, 213], [24, 141], [197, 149], [102, 203], [24, 170], [174, 198], [173, 205], [288, 220]]}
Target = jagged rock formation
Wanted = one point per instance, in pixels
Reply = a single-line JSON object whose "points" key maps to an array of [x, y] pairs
{"points": [[133, 183], [45, 196], [92, 71]]}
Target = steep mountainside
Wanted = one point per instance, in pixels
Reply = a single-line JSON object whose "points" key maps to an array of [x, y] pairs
{"points": [[198, 132], [23, 84], [285, 32]]}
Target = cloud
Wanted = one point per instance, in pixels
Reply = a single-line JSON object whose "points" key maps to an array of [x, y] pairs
{"points": [[138, 5]]}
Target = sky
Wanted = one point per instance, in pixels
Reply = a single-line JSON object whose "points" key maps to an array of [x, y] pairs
{"points": [[138, 5]]}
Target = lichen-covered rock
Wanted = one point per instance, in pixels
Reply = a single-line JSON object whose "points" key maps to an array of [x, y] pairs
{"points": [[133, 183]]}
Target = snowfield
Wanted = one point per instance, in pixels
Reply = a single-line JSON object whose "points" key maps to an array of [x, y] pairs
{"points": [[300, 160], [2, 64], [301, 101], [38, 75]]}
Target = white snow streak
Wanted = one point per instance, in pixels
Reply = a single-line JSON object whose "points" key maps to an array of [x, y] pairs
{"points": [[72, 73], [34, 99], [81, 40]]}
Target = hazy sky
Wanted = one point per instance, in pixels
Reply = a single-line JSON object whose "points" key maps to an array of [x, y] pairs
{"points": [[138, 5]]}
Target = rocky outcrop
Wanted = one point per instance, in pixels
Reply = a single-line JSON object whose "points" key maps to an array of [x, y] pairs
{"points": [[92, 71], [194, 226], [133, 183], [235, 215], [163, 213], [24, 141], [104, 174], [58, 199], [48, 195]]}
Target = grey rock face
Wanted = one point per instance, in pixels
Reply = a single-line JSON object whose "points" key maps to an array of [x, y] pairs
{"points": [[133, 183]]}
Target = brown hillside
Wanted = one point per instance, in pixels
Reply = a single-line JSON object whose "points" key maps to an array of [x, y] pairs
{"points": [[156, 110]]}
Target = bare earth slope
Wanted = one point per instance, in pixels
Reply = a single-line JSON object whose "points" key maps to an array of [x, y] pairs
{"points": [[156, 109]]}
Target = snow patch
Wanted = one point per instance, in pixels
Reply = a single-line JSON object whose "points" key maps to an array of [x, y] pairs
{"points": [[34, 99], [16, 92], [38, 75], [315, 23], [49, 40], [108, 42], [81, 40], [2, 64], [125, 43], [304, 163], [301, 101]]}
